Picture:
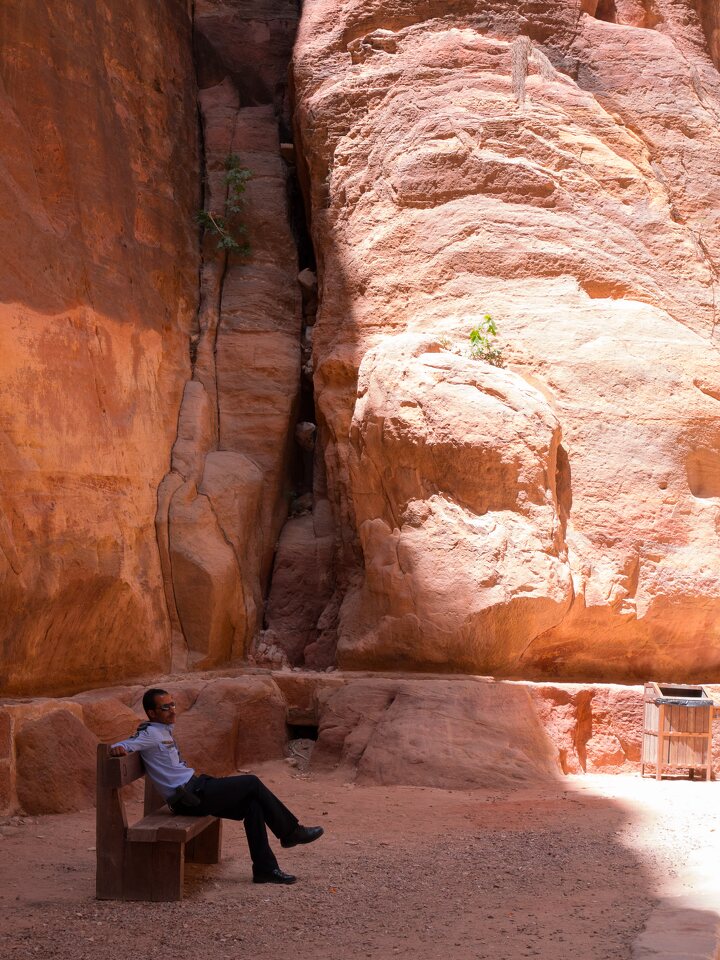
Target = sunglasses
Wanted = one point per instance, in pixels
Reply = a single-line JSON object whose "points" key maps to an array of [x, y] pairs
{"points": [[166, 706]]}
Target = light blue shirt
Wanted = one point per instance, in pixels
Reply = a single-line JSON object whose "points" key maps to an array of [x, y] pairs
{"points": [[161, 757]]}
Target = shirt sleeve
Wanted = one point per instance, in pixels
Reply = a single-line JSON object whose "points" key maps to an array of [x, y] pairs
{"points": [[142, 739]]}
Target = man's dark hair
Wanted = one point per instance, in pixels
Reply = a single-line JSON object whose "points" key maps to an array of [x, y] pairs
{"points": [[149, 698]]}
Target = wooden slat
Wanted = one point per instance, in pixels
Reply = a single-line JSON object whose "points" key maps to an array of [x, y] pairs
{"points": [[124, 770], [708, 749], [164, 826], [683, 734], [660, 744], [153, 800]]}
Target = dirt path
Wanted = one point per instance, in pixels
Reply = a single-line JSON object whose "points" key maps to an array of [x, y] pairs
{"points": [[578, 869]]}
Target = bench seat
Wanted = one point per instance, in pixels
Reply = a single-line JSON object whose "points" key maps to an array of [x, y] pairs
{"points": [[165, 825]]}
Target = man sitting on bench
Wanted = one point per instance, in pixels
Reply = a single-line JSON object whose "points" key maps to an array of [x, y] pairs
{"points": [[234, 798]]}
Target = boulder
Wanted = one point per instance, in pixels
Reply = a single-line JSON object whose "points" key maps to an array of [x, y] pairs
{"points": [[110, 719], [231, 723], [55, 765], [233, 484], [453, 478], [455, 734], [302, 582], [206, 579]]}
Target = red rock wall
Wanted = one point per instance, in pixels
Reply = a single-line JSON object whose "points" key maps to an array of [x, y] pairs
{"points": [[98, 290], [553, 165], [549, 163], [710, 16]]}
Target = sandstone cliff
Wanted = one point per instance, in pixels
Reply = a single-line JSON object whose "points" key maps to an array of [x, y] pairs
{"points": [[132, 393], [553, 165], [211, 456], [98, 290]]}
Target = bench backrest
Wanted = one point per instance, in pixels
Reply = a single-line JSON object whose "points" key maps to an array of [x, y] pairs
{"points": [[116, 772], [120, 771]]}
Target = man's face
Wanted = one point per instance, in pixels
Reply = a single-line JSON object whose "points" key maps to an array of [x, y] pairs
{"points": [[164, 711]]}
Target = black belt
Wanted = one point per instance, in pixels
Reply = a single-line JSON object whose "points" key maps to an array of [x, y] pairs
{"points": [[186, 796]]}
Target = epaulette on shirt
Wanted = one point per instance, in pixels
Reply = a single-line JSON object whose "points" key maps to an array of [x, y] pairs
{"points": [[141, 727]]}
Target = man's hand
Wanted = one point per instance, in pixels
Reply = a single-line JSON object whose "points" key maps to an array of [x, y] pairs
{"points": [[118, 752]]}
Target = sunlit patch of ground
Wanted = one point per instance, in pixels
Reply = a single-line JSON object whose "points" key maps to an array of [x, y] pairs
{"points": [[673, 827]]}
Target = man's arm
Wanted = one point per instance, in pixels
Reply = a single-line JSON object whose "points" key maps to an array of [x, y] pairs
{"points": [[140, 740]]}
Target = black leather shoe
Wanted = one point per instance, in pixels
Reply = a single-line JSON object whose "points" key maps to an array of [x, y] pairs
{"points": [[302, 835], [274, 876]]}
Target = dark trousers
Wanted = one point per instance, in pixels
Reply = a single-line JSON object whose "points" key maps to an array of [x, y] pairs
{"points": [[246, 798]]}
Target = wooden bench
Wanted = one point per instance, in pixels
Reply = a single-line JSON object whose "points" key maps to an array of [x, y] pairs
{"points": [[147, 860]]}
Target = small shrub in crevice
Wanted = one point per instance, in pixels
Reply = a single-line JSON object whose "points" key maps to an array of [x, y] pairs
{"points": [[482, 342], [226, 225]]}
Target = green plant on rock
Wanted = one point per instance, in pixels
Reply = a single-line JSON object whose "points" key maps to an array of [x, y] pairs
{"points": [[482, 347], [227, 225]]}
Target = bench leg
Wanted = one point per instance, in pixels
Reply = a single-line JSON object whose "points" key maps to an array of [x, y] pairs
{"points": [[205, 847], [110, 861], [153, 871]]}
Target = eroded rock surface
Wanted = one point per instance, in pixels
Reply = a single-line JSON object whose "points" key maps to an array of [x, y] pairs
{"points": [[452, 474], [55, 764], [97, 290], [302, 584], [595, 729], [48, 747], [233, 723], [454, 734], [422, 730], [551, 164]]}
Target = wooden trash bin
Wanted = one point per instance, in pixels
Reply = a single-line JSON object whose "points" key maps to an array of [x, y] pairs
{"points": [[677, 732]]}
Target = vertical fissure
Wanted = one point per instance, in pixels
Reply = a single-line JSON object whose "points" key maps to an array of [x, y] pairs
{"points": [[243, 465], [301, 585], [306, 424]]}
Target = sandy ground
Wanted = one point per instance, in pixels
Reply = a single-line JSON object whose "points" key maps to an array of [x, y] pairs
{"points": [[598, 868]]}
